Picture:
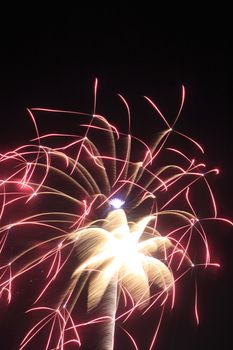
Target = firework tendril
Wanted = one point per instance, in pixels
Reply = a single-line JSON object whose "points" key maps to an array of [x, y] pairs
{"points": [[108, 222]]}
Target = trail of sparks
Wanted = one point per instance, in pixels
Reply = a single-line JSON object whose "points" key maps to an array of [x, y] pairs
{"points": [[96, 207]]}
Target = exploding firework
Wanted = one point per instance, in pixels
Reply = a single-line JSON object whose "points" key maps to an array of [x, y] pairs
{"points": [[104, 224]]}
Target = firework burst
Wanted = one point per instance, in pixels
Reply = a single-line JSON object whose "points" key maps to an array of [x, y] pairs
{"points": [[105, 220]]}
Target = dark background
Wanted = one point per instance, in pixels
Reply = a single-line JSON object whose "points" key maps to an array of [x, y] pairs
{"points": [[51, 61]]}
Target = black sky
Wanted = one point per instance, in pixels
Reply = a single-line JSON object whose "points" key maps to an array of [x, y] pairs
{"points": [[51, 61]]}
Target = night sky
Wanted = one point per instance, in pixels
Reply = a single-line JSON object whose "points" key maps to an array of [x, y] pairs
{"points": [[51, 61]]}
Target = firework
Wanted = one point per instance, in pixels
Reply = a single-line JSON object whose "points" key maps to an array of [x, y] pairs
{"points": [[105, 220]]}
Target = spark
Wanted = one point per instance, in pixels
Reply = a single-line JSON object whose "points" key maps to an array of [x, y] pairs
{"points": [[117, 203]]}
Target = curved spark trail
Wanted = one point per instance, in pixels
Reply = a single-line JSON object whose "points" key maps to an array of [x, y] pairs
{"points": [[106, 221]]}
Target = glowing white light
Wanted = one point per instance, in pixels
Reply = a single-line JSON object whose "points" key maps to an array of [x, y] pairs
{"points": [[116, 203], [118, 249]]}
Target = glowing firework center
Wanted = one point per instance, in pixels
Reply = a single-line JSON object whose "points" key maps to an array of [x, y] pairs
{"points": [[117, 246]]}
